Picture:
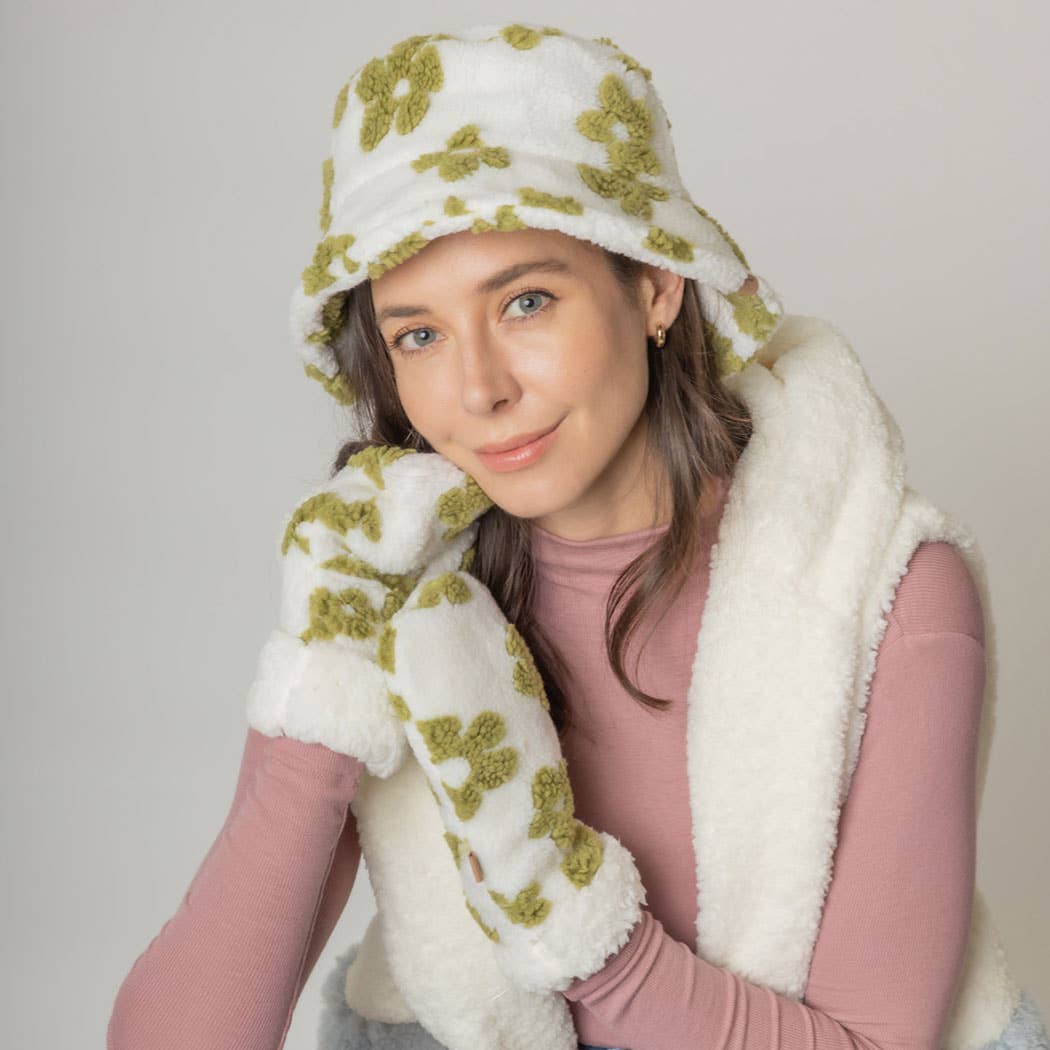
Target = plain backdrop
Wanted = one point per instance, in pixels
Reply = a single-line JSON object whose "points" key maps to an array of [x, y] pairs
{"points": [[884, 165]]}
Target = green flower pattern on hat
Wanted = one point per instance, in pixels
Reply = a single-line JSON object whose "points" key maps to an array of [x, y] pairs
{"points": [[415, 60], [407, 92], [631, 64], [465, 154], [627, 159], [526, 37], [317, 276]]}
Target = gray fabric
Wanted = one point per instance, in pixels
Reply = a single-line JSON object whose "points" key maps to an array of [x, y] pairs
{"points": [[1026, 1029], [344, 1029]]}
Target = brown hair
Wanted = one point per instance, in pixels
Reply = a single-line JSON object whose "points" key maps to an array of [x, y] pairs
{"points": [[696, 426]]}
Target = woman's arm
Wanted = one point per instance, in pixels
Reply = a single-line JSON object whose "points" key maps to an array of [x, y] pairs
{"points": [[226, 970], [893, 932]]}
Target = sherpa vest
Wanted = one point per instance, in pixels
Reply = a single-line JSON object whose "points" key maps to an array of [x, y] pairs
{"points": [[817, 531]]}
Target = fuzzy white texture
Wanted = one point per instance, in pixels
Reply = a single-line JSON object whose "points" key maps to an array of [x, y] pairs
{"points": [[816, 534], [331, 691], [435, 954], [814, 495], [326, 693], [406, 501], [774, 724], [451, 659], [527, 103]]}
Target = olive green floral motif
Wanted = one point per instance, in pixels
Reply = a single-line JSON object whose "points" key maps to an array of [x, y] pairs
{"points": [[372, 459], [340, 104], [465, 154], [489, 932], [539, 199], [461, 505], [333, 317], [527, 678], [336, 514], [752, 316], [489, 768], [414, 59], [335, 385], [506, 219], [397, 586], [398, 706], [316, 276], [727, 361], [725, 233], [385, 647], [669, 244], [350, 611], [553, 802], [627, 158], [327, 177], [391, 257], [347, 612], [626, 59], [458, 847], [447, 585], [523, 38], [341, 98], [528, 908]]}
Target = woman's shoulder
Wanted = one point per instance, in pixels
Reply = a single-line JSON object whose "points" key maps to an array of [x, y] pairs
{"points": [[936, 595]]}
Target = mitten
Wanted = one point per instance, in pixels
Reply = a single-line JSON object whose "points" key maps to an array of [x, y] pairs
{"points": [[350, 554], [555, 896]]}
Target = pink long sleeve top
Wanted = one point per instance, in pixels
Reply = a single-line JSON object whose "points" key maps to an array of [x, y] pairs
{"points": [[227, 969]]}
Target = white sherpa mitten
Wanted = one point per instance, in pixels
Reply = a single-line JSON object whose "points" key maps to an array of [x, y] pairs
{"points": [[555, 896], [351, 553]]}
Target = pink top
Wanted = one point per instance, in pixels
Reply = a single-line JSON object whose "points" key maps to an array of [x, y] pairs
{"points": [[228, 968]]}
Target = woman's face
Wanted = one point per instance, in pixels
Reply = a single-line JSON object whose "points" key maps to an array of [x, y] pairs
{"points": [[485, 348]]}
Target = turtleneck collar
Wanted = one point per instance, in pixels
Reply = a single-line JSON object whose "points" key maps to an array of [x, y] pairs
{"points": [[604, 557]]}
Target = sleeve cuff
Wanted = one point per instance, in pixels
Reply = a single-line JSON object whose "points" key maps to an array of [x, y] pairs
{"points": [[641, 932]]}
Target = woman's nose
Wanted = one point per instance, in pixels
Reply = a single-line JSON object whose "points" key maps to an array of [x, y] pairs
{"points": [[486, 376]]}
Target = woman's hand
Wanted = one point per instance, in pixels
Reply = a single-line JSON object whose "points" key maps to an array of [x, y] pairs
{"points": [[350, 554]]}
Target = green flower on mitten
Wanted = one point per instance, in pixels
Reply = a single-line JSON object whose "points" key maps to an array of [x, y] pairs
{"points": [[552, 895], [351, 552]]}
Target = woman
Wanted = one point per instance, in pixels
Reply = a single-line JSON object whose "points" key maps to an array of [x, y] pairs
{"points": [[786, 768]]}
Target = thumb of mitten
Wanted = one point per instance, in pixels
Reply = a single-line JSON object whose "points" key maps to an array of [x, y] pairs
{"points": [[316, 678]]}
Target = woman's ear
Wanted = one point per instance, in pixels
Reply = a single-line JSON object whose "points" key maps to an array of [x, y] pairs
{"points": [[660, 295]]}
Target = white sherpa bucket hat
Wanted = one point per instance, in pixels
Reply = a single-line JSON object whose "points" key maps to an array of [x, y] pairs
{"points": [[503, 127]]}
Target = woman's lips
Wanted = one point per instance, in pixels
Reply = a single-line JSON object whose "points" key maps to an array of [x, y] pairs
{"points": [[522, 456]]}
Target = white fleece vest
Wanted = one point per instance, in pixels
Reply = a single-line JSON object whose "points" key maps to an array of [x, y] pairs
{"points": [[817, 531]]}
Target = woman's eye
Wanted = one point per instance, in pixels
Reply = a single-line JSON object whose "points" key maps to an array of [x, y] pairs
{"points": [[400, 340], [526, 296], [533, 295]]}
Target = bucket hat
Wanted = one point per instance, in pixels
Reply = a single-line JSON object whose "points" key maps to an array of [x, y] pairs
{"points": [[504, 127]]}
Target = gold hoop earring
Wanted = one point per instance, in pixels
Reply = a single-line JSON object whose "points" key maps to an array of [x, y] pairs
{"points": [[661, 335]]}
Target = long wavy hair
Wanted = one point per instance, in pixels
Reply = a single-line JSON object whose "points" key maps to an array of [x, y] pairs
{"points": [[696, 427]]}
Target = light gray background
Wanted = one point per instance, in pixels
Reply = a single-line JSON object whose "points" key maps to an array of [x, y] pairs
{"points": [[881, 164]]}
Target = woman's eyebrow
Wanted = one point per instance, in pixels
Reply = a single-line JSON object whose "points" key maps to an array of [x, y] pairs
{"points": [[490, 284]]}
